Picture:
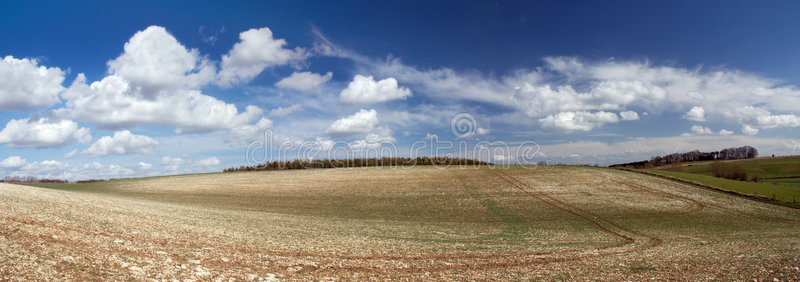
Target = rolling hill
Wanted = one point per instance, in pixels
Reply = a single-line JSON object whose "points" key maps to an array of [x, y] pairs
{"points": [[406, 223]]}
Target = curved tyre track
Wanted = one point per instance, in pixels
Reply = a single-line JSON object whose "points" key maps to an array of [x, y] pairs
{"points": [[626, 234], [628, 241], [695, 205]]}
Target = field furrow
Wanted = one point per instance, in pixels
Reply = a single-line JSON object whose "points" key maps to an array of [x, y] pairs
{"points": [[405, 223]]}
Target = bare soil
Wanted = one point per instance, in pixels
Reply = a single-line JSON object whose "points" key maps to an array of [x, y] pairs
{"points": [[419, 223]]}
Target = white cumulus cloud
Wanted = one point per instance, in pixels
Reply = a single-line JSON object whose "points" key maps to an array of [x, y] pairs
{"points": [[13, 162], [285, 111], [365, 90], [697, 113], [571, 121], [629, 115], [247, 133], [96, 170], [773, 121], [361, 122], [154, 81], [755, 118], [113, 104], [749, 130], [122, 143], [50, 169], [567, 84], [25, 85], [43, 133], [209, 162], [256, 51], [172, 164], [155, 62], [701, 129], [372, 141], [304, 81]]}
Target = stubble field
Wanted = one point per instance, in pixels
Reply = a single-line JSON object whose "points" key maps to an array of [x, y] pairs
{"points": [[419, 223]]}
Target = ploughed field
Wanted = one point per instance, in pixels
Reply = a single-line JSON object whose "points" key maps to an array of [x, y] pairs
{"points": [[407, 223]]}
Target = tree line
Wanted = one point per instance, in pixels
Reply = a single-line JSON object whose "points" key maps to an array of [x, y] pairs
{"points": [[357, 162], [735, 153], [33, 179], [30, 179]]}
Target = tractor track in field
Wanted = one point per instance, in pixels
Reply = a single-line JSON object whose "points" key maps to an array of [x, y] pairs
{"points": [[629, 241], [34, 234], [626, 235], [695, 205], [595, 220], [32, 241], [612, 228], [452, 261]]}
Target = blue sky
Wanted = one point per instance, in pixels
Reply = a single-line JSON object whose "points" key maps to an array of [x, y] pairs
{"points": [[118, 89]]}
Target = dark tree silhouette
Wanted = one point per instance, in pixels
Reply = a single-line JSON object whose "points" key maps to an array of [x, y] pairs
{"points": [[744, 152]]}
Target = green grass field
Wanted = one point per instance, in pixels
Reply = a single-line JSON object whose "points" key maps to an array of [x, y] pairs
{"points": [[767, 168], [422, 223], [780, 177], [781, 194]]}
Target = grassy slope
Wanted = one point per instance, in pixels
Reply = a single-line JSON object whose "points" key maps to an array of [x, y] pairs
{"points": [[780, 193], [763, 167]]}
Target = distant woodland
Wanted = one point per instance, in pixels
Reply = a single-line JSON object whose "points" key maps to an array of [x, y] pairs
{"points": [[357, 162], [744, 152]]}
